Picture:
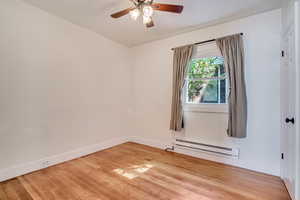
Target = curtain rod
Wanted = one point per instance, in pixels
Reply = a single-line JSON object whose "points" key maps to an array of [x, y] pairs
{"points": [[206, 41]]}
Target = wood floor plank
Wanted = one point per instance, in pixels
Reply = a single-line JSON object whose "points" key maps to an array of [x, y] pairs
{"points": [[138, 172], [3, 196], [13, 189]]}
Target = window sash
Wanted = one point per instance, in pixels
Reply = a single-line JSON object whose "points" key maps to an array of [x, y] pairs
{"points": [[219, 79]]}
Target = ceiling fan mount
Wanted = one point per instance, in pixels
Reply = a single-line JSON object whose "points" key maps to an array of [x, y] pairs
{"points": [[139, 3], [146, 8]]}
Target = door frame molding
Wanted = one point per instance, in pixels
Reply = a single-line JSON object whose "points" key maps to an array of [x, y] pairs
{"points": [[297, 53], [295, 25]]}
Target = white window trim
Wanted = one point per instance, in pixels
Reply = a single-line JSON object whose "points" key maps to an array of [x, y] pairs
{"points": [[206, 108], [209, 50]]}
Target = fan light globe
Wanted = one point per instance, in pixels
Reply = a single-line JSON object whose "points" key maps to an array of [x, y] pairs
{"points": [[147, 11], [134, 14], [146, 20]]}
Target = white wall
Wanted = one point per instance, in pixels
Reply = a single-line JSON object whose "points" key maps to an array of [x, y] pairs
{"points": [[153, 82], [62, 87]]}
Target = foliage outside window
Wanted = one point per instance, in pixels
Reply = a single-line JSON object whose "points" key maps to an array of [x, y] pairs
{"points": [[206, 81]]}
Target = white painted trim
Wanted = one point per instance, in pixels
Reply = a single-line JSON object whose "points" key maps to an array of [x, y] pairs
{"points": [[148, 142], [206, 108], [25, 168], [297, 117]]}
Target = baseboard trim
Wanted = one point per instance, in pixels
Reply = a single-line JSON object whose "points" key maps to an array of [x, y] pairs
{"points": [[29, 167], [148, 142]]}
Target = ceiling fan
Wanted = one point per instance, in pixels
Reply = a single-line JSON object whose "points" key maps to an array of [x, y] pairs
{"points": [[146, 7]]}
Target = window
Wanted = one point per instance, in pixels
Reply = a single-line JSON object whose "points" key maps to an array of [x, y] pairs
{"points": [[206, 81]]}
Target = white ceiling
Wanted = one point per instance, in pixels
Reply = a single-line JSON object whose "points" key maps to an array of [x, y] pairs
{"points": [[95, 15]]}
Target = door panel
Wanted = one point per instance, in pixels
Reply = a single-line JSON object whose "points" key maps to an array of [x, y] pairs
{"points": [[288, 107]]}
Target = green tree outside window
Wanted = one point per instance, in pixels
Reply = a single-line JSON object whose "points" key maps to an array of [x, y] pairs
{"points": [[206, 80]]}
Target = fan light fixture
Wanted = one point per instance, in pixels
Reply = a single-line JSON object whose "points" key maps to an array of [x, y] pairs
{"points": [[134, 14], [147, 11], [146, 8]]}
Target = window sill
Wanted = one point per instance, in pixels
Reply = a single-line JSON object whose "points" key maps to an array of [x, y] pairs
{"points": [[206, 108]]}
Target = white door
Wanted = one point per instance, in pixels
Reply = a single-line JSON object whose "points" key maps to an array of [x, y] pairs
{"points": [[288, 111]]}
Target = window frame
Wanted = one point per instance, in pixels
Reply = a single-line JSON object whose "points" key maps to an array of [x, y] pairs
{"points": [[205, 51]]}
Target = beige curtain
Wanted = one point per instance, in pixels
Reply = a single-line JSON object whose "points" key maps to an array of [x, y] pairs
{"points": [[232, 50], [181, 57]]}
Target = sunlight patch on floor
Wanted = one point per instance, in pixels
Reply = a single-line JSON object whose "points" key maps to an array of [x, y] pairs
{"points": [[133, 171]]}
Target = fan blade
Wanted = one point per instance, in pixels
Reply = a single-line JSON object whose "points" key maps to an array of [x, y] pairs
{"points": [[121, 13], [150, 24], [167, 7]]}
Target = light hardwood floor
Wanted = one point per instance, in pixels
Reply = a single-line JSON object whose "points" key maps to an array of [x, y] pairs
{"points": [[136, 172]]}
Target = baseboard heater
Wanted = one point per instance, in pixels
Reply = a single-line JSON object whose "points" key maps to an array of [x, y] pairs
{"points": [[219, 150]]}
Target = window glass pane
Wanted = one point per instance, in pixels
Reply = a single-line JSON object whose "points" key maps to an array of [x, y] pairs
{"points": [[206, 68], [206, 91]]}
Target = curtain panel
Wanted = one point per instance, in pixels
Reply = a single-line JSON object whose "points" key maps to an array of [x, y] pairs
{"points": [[181, 58], [232, 50]]}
